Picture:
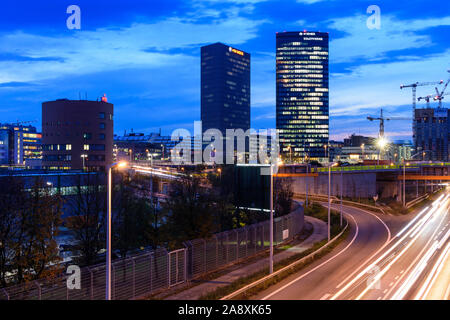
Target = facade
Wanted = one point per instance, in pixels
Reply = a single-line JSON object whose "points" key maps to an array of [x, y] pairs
{"points": [[20, 145], [432, 133], [302, 109], [225, 88], [77, 134]]}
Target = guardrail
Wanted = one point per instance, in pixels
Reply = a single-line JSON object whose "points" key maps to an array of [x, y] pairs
{"points": [[415, 201], [336, 199], [309, 256]]}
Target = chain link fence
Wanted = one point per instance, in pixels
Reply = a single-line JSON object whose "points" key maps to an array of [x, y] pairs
{"points": [[154, 271]]}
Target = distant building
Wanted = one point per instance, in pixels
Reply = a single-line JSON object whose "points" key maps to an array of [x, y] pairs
{"points": [[432, 134], [302, 105], [77, 134], [225, 88], [20, 146], [358, 141], [401, 150]]}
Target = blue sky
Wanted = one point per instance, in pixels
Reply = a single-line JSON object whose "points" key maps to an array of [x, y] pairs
{"points": [[144, 54]]}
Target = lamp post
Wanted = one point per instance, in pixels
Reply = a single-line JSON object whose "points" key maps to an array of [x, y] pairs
{"points": [[83, 156], [280, 163], [342, 186], [108, 226], [362, 151], [329, 199]]}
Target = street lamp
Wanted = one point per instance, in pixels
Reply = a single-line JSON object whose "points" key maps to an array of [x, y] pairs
{"points": [[329, 199], [382, 142], [362, 150], [404, 184], [83, 156], [109, 168], [280, 163]]}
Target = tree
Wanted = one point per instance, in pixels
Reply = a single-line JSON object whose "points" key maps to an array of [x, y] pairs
{"points": [[36, 253], [131, 214], [88, 207], [283, 196], [190, 211], [12, 201]]}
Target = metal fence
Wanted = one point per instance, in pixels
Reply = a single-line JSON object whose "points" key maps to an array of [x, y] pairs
{"points": [[150, 272]]}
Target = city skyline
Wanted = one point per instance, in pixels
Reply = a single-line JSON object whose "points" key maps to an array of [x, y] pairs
{"points": [[42, 60]]}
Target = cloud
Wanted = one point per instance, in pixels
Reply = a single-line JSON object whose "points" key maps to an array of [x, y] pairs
{"points": [[393, 35], [114, 48]]}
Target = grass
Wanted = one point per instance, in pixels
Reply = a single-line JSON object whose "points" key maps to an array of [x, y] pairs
{"points": [[236, 285], [320, 212]]}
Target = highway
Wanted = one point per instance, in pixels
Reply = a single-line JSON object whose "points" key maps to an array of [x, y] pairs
{"points": [[383, 258]]}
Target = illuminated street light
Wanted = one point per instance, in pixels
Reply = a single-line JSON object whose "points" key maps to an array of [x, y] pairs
{"points": [[381, 142], [329, 198], [121, 164]]}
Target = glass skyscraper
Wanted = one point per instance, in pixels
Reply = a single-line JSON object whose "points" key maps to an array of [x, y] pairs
{"points": [[225, 88], [302, 111]]}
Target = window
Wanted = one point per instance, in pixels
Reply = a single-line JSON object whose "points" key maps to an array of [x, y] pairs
{"points": [[102, 125], [87, 136], [101, 136], [68, 147], [101, 115], [86, 147]]}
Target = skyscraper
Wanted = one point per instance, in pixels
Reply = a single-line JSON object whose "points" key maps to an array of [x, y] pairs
{"points": [[432, 132], [302, 111], [225, 88]]}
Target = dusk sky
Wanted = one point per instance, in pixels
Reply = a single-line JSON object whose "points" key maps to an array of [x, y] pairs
{"points": [[145, 55]]}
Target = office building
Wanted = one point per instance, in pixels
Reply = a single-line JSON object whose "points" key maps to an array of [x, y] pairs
{"points": [[302, 109], [225, 88], [77, 134], [20, 146], [432, 134]]}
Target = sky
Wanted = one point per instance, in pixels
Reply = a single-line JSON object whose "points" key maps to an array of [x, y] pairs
{"points": [[145, 55]]}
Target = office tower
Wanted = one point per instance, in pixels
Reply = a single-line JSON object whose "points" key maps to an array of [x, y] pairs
{"points": [[77, 134], [20, 145], [302, 111], [432, 133], [225, 88]]}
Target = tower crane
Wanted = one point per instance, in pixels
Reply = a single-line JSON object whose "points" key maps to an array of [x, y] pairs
{"points": [[414, 89], [440, 95], [426, 98], [18, 122], [382, 119]]}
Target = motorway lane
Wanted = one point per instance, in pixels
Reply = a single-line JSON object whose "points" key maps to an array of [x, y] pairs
{"points": [[403, 268], [368, 235]]}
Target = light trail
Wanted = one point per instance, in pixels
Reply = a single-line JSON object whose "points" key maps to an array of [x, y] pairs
{"points": [[424, 219]]}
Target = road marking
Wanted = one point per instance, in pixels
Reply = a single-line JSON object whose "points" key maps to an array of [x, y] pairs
{"points": [[385, 290], [317, 267], [325, 296], [402, 271], [371, 257], [379, 298], [396, 277], [390, 284]]}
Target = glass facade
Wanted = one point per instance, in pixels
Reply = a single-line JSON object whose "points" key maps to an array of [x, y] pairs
{"points": [[225, 88], [302, 110]]}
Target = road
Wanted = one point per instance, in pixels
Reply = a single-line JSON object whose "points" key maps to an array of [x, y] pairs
{"points": [[384, 257]]}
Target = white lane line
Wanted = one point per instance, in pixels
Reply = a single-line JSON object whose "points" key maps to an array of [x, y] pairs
{"points": [[385, 290], [371, 257], [325, 296], [317, 267], [396, 277], [390, 284], [402, 271]]}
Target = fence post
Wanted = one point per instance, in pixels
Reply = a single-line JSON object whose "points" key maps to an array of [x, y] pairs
{"points": [[185, 265], [227, 248], [168, 268], [91, 280], [204, 254], [217, 251], [134, 277], [151, 275], [113, 282], [237, 245], [39, 289], [246, 241], [176, 263]]}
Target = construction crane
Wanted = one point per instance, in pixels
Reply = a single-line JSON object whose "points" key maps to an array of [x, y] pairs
{"points": [[426, 98], [440, 95], [414, 89], [382, 119]]}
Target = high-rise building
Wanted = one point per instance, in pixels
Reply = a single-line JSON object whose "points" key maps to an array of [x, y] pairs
{"points": [[432, 134], [77, 134], [225, 88], [20, 145], [302, 110]]}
